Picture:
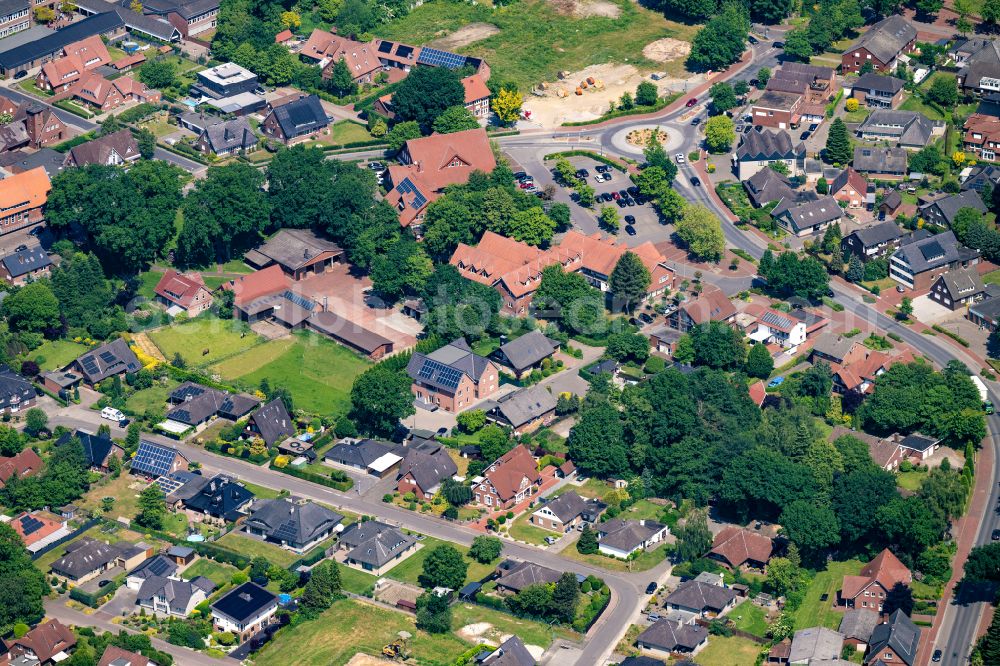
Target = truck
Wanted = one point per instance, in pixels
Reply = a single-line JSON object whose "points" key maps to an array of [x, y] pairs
{"points": [[983, 394]]}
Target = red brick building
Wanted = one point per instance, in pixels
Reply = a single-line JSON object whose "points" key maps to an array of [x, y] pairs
{"points": [[870, 587], [453, 377], [881, 46], [22, 198], [509, 480]]}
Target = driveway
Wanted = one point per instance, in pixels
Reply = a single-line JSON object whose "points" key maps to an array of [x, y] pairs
{"points": [[929, 312], [123, 603]]}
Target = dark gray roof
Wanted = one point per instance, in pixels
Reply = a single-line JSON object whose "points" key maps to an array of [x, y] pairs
{"points": [[196, 403], [567, 506], [230, 135], [46, 158], [443, 367], [510, 653], [985, 63], [930, 252], [14, 388], [811, 213], [900, 634], [294, 248], [136, 22], [887, 38], [700, 596], [774, 99], [762, 144], [157, 565], [524, 574], [56, 40], [833, 345], [918, 442], [880, 160], [8, 7], [273, 422], [221, 498], [99, 150], [359, 452], [382, 548], [962, 283], [523, 405], [245, 602], [348, 331], [858, 623], [300, 116], [988, 309], [177, 592], [292, 522], [359, 533], [671, 636], [980, 175], [109, 359], [950, 205], [768, 185], [627, 535], [428, 468], [85, 556], [878, 83], [529, 349], [95, 447], [877, 234], [892, 199], [909, 128]]}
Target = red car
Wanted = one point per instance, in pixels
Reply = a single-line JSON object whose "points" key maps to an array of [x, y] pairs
{"points": [[691, 102], [526, 184]]}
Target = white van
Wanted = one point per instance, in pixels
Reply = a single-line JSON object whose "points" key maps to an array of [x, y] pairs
{"points": [[112, 414]]}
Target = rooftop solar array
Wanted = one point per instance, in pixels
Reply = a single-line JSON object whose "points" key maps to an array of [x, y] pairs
{"points": [[168, 485], [407, 187], [30, 525], [286, 532], [776, 319], [404, 51], [437, 58], [160, 566], [385, 47], [107, 357], [89, 365], [153, 459], [299, 300], [444, 375], [932, 250]]}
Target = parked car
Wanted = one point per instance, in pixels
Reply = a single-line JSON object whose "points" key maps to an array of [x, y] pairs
{"points": [[696, 181], [679, 158], [696, 121], [550, 540], [629, 201], [630, 219], [602, 168], [651, 588], [525, 184], [778, 45], [754, 83], [112, 414], [645, 318], [691, 102], [753, 40], [747, 129], [630, 230], [20, 75], [777, 381], [623, 193], [582, 173], [805, 135], [634, 190], [520, 175], [996, 535], [814, 127], [620, 202], [936, 657], [376, 166], [605, 196], [124, 423]]}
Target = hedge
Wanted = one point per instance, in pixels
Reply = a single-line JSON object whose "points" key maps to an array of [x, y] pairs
{"points": [[65, 105], [182, 375], [587, 153], [69, 144], [373, 143], [205, 548], [313, 477], [661, 103], [954, 336]]}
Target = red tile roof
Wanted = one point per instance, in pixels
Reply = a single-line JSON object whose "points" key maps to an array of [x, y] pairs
{"points": [[265, 282], [475, 88], [510, 470], [23, 464], [737, 545], [885, 569], [179, 288], [24, 191], [282, 36], [758, 392], [129, 61], [48, 526]]}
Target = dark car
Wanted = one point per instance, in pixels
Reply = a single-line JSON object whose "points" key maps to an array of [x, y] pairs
{"points": [[623, 193], [630, 219], [376, 166], [519, 175], [805, 135], [442, 431], [696, 121], [747, 128], [105, 583], [651, 588], [124, 423], [634, 190], [582, 173], [753, 40], [20, 75], [602, 168], [629, 201], [996, 535], [936, 657], [754, 82], [606, 196], [645, 318], [630, 230], [695, 181], [778, 45], [814, 127], [35, 231], [620, 202], [691, 102]]}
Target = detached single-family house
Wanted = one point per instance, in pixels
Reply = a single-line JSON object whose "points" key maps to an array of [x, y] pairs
{"points": [[98, 449], [873, 241], [172, 596], [882, 163], [511, 652], [376, 547], [918, 447], [272, 422], [87, 558], [815, 644], [183, 292], [738, 547], [48, 643], [16, 392], [422, 472], [808, 217], [25, 264], [22, 464], [906, 129], [229, 137], [881, 45], [116, 656], [294, 117], [525, 353], [516, 576], [301, 253], [868, 589], [371, 456], [980, 73], [563, 513], [894, 642], [982, 136], [666, 638], [710, 305], [452, 377], [768, 185], [39, 529], [524, 410], [154, 460], [760, 148], [701, 598], [876, 91], [244, 611], [958, 288], [295, 525], [113, 149], [110, 359], [850, 188], [222, 500], [779, 328], [620, 538], [943, 211], [511, 479]]}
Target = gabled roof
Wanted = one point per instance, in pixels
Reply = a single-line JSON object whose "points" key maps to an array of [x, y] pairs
{"points": [[22, 262], [900, 634], [858, 623], [834, 345], [22, 191], [294, 248], [930, 252], [523, 405], [962, 283], [627, 535], [221, 498], [885, 569], [883, 232], [810, 214], [510, 653], [870, 81], [737, 545], [273, 422], [382, 548], [444, 367], [116, 656], [762, 145], [475, 88], [510, 469], [24, 463], [909, 128], [154, 459], [711, 305], [14, 388], [815, 643], [950, 205], [525, 574], [428, 468], [447, 159], [245, 602], [671, 636], [360, 452], [292, 522], [700, 596], [887, 38], [768, 185], [849, 177], [300, 116], [96, 448], [180, 288], [45, 641], [111, 358], [235, 134], [157, 565], [528, 350], [84, 556], [56, 40], [265, 282], [880, 160], [567, 506], [985, 63], [360, 532], [99, 151]]}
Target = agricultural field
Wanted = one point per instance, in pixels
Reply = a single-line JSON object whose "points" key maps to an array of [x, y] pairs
{"points": [[204, 340]]}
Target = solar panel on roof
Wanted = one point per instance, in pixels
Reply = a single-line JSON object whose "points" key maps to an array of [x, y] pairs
{"points": [[30, 525], [404, 51], [385, 47], [407, 187], [286, 531], [932, 250], [437, 58], [299, 300], [107, 357], [159, 566], [441, 373], [153, 459]]}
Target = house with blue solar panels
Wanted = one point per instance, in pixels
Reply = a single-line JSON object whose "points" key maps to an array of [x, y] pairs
{"points": [[110, 359], [155, 460], [293, 117], [452, 378]]}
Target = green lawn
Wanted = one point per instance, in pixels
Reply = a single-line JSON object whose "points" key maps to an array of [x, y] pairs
{"points": [[522, 530], [352, 626], [911, 480], [253, 548], [318, 372], [153, 397], [409, 570], [647, 560], [148, 282], [749, 617], [220, 338], [590, 488], [260, 491], [253, 359], [814, 612], [536, 40], [856, 116], [125, 489], [355, 580], [993, 277], [54, 354], [217, 572], [346, 131], [732, 651], [531, 632]]}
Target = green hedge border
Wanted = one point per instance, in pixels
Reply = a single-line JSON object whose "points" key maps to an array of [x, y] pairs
{"points": [[661, 104], [588, 153]]}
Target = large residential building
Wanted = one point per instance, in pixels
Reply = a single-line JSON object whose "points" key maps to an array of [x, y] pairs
{"points": [[431, 163], [881, 163], [982, 136], [327, 49], [190, 18], [960, 288], [760, 148], [226, 80], [980, 73], [244, 611], [81, 57], [872, 242], [15, 16], [453, 377], [781, 110], [22, 198], [881, 45], [918, 263], [514, 268], [906, 129], [292, 524], [48, 643], [816, 84], [509, 480], [295, 117], [50, 44], [943, 210]]}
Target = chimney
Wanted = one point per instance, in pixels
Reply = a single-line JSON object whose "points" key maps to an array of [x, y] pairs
{"points": [[420, 167], [324, 303]]}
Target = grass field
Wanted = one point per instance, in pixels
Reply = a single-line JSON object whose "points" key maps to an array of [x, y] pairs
{"points": [[522, 530], [54, 354], [409, 570], [260, 491], [993, 277], [749, 617], [354, 580], [911, 481], [536, 40], [346, 131], [350, 627], [147, 283], [531, 632], [814, 612], [732, 651], [647, 560], [153, 397], [221, 338], [318, 372], [217, 572], [126, 497], [252, 548]]}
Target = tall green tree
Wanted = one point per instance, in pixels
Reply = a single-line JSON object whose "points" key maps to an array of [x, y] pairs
{"points": [[838, 144], [425, 96], [759, 362], [722, 41], [701, 231], [379, 399], [152, 508], [597, 442], [444, 566], [32, 308], [629, 281], [455, 119], [341, 83]]}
